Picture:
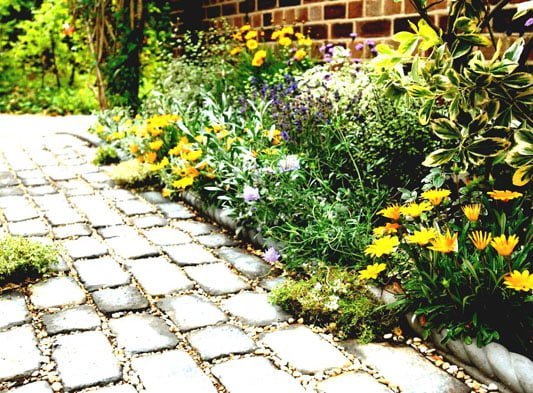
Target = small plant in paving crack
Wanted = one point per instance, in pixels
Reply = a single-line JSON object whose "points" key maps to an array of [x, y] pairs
{"points": [[21, 258]]}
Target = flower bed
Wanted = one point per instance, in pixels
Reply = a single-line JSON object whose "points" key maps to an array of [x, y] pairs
{"points": [[307, 156]]}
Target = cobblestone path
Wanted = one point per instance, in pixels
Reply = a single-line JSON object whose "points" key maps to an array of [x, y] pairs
{"points": [[148, 298]]}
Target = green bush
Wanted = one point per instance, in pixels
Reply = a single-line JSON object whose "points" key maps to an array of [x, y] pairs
{"points": [[21, 257], [333, 298], [106, 155]]}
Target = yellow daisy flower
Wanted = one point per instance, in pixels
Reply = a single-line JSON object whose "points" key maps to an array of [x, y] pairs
{"points": [[383, 246], [387, 229], [472, 211], [504, 246], [422, 236], [436, 196], [392, 212], [372, 271], [252, 44], [415, 209], [504, 195], [444, 243], [519, 281], [480, 239], [155, 145]]}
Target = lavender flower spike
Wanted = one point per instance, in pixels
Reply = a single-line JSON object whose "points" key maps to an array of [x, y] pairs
{"points": [[250, 194], [271, 255]]}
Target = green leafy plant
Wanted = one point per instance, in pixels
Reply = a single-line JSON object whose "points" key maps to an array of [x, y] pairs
{"points": [[332, 297], [106, 155], [21, 258]]}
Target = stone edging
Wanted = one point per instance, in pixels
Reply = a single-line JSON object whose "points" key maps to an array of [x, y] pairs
{"points": [[491, 363]]}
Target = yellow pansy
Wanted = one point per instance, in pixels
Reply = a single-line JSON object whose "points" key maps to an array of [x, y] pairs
{"points": [[250, 35], [252, 44]]}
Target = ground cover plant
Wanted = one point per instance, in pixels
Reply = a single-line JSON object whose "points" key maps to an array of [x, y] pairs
{"points": [[333, 172], [21, 258]]}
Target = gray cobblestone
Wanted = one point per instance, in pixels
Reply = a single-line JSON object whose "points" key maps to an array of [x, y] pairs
{"points": [[125, 298], [190, 311], [85, 247], [189, 254], [216, 341], [13, 310], [167, 236], [216, 278], [19, 356], [56, 292], [159, 277], [254, 309], [101, 273], [77, 318]]}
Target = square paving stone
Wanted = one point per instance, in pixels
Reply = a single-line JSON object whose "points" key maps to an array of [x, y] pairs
{"points": [[255, 374], [174, 369], [13, 310], [175, 210], [28, 228], [352, 382], [126, 298], [116, 231], [85, 359], [35, 181], [154, 197], [41, 190], [189, 254], [216, 278], [10, 191], [138, 333], [63, 217], [20, 213], [85, 247], [133, 246], [56, 292], [60, 265], [97, 211], [195, 228], [101, 273], [135, 207], [77, 318], [248, 264], [71, 230], [215, 240], [118, 194], [19, 355], [254, 309], [159, 277], [216, 341], [167, 236], [33, 387], [405, 367], [149, 221], [270, 283], [305, 350], [190, 312]]}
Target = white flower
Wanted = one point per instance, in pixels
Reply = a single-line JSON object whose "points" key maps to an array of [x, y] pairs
{"points": [[332, 304], [289, 163]]}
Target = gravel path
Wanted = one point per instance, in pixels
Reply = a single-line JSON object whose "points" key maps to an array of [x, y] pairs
{"points": [[149, 298]]}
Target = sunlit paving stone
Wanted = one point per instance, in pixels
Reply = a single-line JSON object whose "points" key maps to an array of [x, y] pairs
{"points": [[13, 310], [19, 355]]}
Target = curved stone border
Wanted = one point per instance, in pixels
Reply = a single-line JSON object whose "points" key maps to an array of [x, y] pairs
{"points": [[494, 361]]}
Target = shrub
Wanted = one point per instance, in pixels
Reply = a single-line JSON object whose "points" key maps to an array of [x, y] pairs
{"points": [[333, 298], [21, 258], [106, 155], [131, 173]]}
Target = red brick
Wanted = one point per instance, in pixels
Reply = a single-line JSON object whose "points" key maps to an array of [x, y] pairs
{"points": [[355, 9], [391, 7], [289, 15], [301, 14], [341, 30], [318, 31], [335, 11], [408, 7], [256, 20], [373, 7], [374, 28], [238, 21], [315, 13], [312, 1], [277, 17]]}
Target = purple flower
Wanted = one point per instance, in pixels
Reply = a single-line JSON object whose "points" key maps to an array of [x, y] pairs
{"points": [[353, 35], [250, 194], [370, 43], [529, 22], [322, 49], [285, 135], [289, 163], [359, 46], [374, 51], [327, 58], [271, 255]]}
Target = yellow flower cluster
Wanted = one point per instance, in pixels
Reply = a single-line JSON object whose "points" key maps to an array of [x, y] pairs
{"points": [[285, 37]]}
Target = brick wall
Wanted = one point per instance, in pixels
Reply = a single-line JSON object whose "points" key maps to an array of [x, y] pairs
{"points": [[332, 20]]}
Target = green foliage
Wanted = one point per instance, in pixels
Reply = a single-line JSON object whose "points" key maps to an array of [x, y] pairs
{"points": [[44, 63], [131, 174], [106, 155], [21, 258], [333, 298]]}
